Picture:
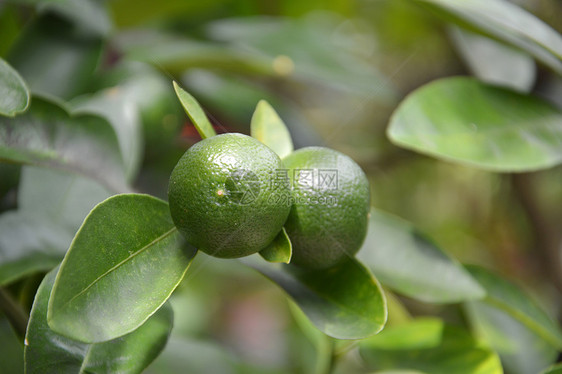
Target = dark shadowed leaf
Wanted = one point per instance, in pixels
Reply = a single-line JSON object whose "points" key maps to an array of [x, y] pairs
{"points": [[494, 62], [344, 301], [556, 369], [123, 264], [194, 357], [506, 296], [469, 122], [507, 22], [55, 58], [29, 243], [177, 54], [48, 352], [90, 14], [11, 354], [14, 95], [51, 207], [280, 250], [195, 112], [521, 350], [430, 346], [269, 129], [406, 261], [123, 114], [47, 135]]}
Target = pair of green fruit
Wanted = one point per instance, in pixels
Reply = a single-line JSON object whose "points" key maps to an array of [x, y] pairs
{"points": [[230, 196]]}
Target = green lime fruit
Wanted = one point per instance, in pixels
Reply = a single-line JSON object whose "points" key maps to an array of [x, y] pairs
{"points": [[222, 198], [330, 211]]}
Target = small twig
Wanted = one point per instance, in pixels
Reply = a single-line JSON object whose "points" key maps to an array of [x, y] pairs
{"points": [[14, 312], [545, 237]]}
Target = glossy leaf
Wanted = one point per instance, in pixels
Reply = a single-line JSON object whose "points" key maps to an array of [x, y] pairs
{"points": [[506, 22], [123, 115], [47, 135], [406, 261], [268, 128], [195, 113], [494, 62], [521, 350], [430, 346], [14, 96], [48, 352], [469, 122], [51, 207], [56, 58], [508, 297], [280, 250], [123, 264], [344, 301], [556, 369]]}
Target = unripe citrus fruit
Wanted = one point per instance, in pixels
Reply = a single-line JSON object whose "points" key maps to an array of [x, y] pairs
{"points": [[222, 199], [330, 212]]}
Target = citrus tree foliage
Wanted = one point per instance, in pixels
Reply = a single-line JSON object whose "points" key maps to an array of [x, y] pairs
{"points": [[452, 109]]}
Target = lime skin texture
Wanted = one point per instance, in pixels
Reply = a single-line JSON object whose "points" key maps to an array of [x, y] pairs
{"points": [[330, 211], [222, 199]]}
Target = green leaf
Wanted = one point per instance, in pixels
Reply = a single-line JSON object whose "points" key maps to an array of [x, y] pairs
{"points": [[47, 135], [14, 96], [506, 22], [48, 352], [123, 264], [521, 350], [195, 113], [494, 62], [430, 346], [280, 250], [344, 301], [469, 122], [407, 262], [123, 114], [556, 369], [11, 354], [508, 297], [236, 96], [268, 128], [55, 58]]}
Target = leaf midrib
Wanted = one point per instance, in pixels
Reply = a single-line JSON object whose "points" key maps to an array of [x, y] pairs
{"points": [[118, 265]]}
